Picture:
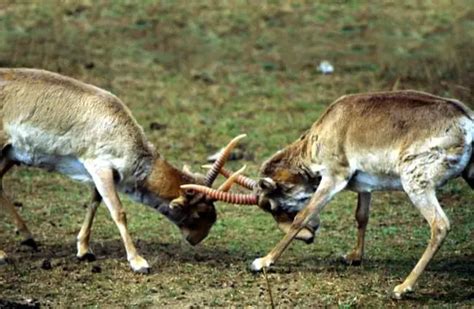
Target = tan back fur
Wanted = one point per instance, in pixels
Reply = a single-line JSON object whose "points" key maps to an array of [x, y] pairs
{"points": [[61, 124], [402, 140], [358, 123], [65, 107]]}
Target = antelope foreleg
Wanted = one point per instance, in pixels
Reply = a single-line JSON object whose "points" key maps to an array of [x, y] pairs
{"points": [[104, 181], [328, 187]]}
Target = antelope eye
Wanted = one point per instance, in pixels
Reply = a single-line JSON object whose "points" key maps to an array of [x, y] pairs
{"points": [[286, 187], [189, 192]]}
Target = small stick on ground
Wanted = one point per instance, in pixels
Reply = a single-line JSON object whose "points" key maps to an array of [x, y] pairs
{"points": [[269, 288]]}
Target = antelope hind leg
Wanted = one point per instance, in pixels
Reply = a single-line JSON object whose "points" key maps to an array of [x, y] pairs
{"points": [[419, 177], [7, 205], [362, 218], [84, 253], [429, 207]]}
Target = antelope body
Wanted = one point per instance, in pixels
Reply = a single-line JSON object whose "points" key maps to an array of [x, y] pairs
{"points": [[402, 140], [61, 124]]}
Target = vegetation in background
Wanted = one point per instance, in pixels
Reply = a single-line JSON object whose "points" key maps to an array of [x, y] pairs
{"points": [[197, 73]]}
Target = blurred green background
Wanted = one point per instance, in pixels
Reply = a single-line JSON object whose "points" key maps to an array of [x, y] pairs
{"points": [[197, 73]]}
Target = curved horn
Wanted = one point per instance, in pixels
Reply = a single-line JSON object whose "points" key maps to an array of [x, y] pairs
{"points": [[214, 171], [230, 180], [228, 197], [242, 180]]}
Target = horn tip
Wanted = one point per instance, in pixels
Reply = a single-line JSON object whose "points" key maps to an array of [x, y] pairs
{"points": [[241, 136], [188, 186], [243, 167]]}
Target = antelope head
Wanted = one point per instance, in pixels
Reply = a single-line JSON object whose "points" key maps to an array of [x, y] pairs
{"points": [[283, 190], [191, 211]]}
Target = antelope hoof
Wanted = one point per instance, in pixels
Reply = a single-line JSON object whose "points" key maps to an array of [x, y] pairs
{"points": [[3, 258], [401, 290], [352, 259], [30, 242], [88, 256], [139, 265], [258, 264]]}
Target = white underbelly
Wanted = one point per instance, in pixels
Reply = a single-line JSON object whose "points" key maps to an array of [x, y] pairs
{"points": [[365, 182], [67, 165]]}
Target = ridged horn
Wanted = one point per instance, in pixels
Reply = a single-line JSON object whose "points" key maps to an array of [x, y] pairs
{"points": [[241, 180], [227, 197], [225, 187], [214, 171]]}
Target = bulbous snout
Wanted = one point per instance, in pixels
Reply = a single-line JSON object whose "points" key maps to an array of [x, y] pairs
{"points": [[194, 237]]}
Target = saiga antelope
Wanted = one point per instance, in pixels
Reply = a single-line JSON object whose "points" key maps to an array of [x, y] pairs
{"points": [[402, 140], [61, 124]]}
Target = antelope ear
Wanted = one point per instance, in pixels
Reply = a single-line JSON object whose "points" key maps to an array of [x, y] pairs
{"points": [[267, 185], [178, 202], [200, 178]]}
